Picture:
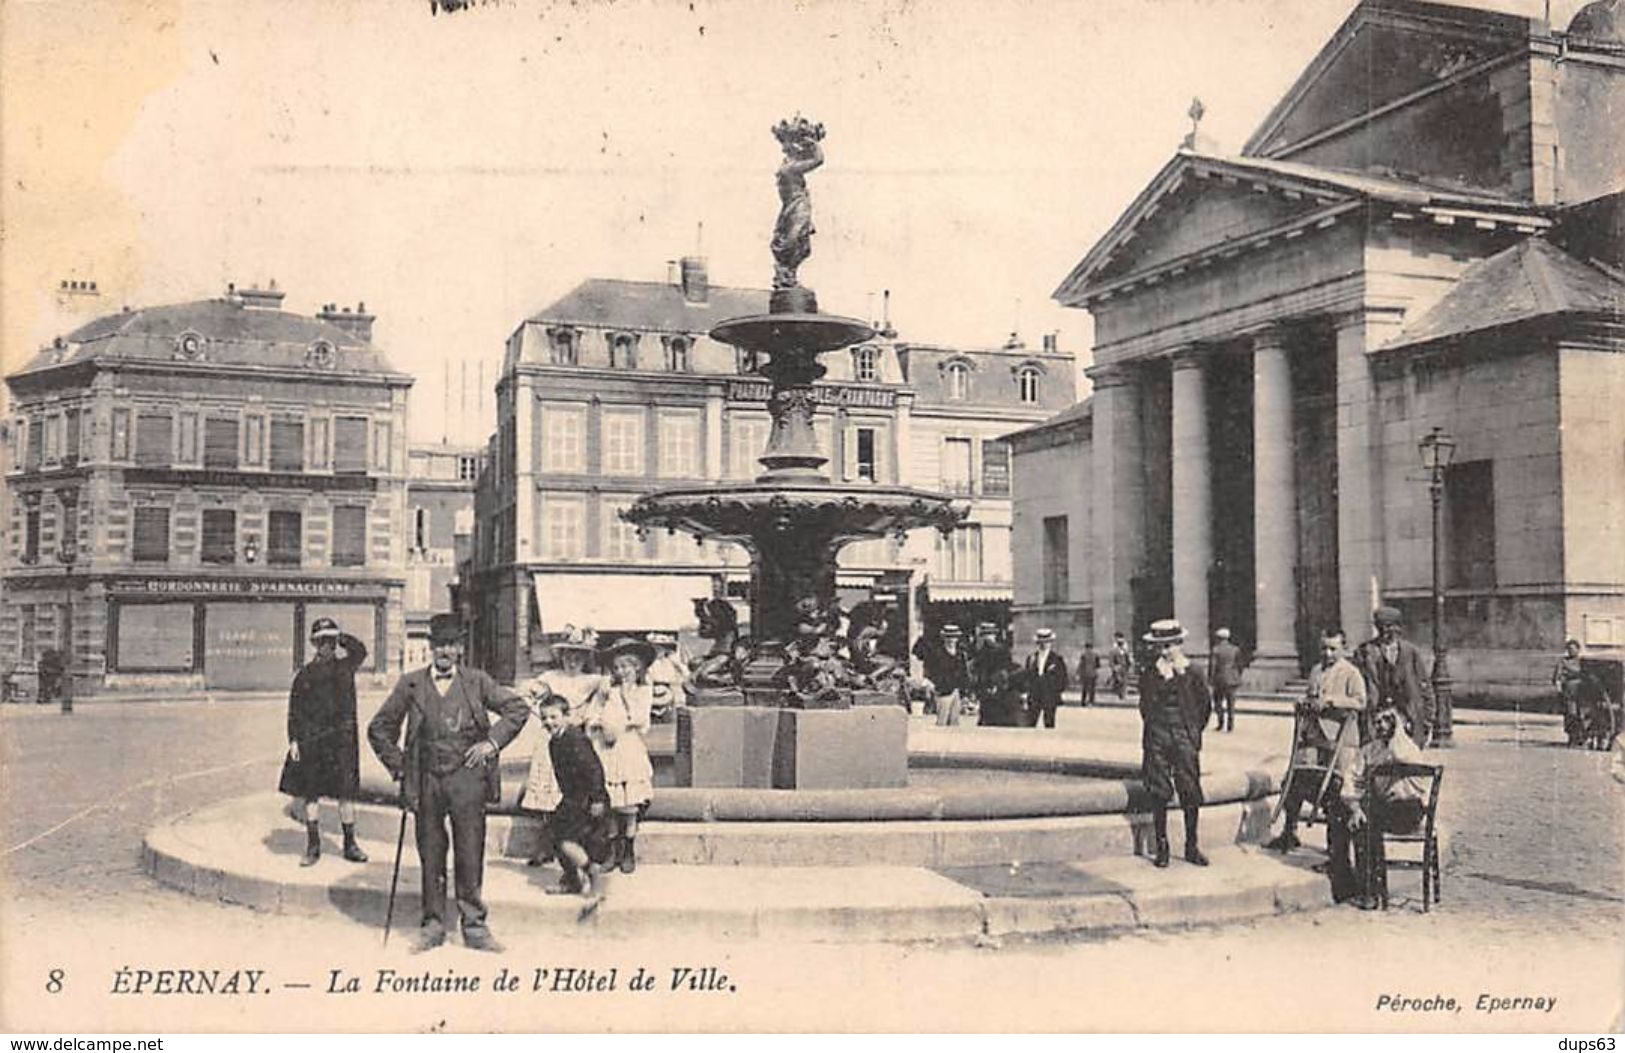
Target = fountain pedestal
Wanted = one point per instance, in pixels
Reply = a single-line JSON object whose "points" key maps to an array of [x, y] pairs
{"points": [[772, 748]]}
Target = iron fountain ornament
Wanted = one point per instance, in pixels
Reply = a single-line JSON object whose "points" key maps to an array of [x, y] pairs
{"points": [[792, 234], [792, 518]]}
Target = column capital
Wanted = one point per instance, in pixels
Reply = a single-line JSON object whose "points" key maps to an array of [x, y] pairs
{"points": [[1364, 314], [1191, 356], [1112, 376], [1268, 335]]}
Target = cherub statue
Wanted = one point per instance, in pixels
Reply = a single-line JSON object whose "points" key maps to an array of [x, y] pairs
{"points": [[868, 627], [792, 234], [719, 623], [814, 677]]}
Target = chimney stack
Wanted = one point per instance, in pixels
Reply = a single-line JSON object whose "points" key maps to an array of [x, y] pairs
{"points": [[696, 287], [357, 323], [267, 299], [1051, 341]]}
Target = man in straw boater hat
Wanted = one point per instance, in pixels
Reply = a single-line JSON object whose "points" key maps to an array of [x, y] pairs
{"points": [[323, 746], [1174, 708], [947, 668], [1045, 679], [448, 771]]}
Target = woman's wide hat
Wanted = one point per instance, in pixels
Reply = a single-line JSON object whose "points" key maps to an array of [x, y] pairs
{"points": [[576, 640], [1166, 631], [630, 645]]}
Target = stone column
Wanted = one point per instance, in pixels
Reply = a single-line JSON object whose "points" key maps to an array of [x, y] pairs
{"points": [[1275, 513], [1359, 512], [1193, 500], [1119, 498]]}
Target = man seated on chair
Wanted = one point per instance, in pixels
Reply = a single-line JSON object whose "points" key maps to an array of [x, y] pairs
{"points": [[1336, 695], [1397, 803]]}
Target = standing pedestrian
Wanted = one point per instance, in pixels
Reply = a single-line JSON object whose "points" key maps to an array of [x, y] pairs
{"points": [[616, 725], [1174, 707], [448, 771], [1045, 679], [1120, 660], [1224, 668], [1567, 677], [1394, 676], [947, 669], [323, 745], [1088, 672]]}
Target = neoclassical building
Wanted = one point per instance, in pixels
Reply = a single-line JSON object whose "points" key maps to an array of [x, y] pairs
{"points": [[188, 486], [1435, 246], [617, 390]]}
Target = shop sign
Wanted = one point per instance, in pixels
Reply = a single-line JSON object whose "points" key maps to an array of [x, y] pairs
{"points": [[238, 587]]}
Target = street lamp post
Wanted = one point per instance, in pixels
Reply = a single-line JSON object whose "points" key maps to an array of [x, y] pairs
{"points": [[1437, 448]]}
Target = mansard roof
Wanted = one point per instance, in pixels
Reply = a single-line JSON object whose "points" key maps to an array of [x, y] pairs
{"points": [[232, 335], [610, 303], [1321, 193]]}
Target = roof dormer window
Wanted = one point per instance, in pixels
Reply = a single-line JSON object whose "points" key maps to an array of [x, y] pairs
{"points": [[564, 343], [678, 353], [189, 345], [866, 364], [623, 350], [956, 381], [1027, 384]]}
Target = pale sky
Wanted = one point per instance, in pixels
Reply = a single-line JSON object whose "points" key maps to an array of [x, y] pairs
{"points": [[461, 172]]}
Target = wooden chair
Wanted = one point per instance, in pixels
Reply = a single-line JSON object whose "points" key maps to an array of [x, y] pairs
{"points": [[1426, 833], [1317, 773]]}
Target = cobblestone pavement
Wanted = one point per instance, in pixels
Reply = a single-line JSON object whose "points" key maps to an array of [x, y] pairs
{"points": [[1534, 904]]}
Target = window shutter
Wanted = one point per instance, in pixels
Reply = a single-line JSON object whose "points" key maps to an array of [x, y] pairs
{"points": [[219, 535], [287, 445], [350, 444], [74, 438], [153, 438], [150, 535], [220, 442], [349, 536], [849, 453], [286, 538]]}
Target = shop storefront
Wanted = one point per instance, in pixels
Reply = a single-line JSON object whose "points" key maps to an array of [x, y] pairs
{"points": [[233, 634]]}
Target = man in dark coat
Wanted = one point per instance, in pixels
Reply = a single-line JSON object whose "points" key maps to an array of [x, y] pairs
{"points": [[996, 704], [1045, 679], [323, 747], [1088, 671], [1395, 676], [947, 667], [1174, 707], [448, 770], [1224, 669]]}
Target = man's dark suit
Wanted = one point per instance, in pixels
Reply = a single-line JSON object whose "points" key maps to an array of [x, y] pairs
{"points": [[1044, 687], [435, 782], [1402, 683]]}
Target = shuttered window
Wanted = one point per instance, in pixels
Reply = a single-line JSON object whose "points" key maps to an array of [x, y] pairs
{"points": [[287, 445], [36, 444], [187, 428], [219, 535], [220, 442], [154, 434], [151, 536], [70, 452], [349, 444], [349, 536], [286, 530]]}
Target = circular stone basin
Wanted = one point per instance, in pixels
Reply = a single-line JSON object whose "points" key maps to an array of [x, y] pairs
{"points": [[747, 510], [816, 333]]}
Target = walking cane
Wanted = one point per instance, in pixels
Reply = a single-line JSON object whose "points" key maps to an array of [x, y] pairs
{"points": [[395, 878]]}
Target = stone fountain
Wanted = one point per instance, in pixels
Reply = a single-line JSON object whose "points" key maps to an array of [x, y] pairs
{"points": [[786, 718]]}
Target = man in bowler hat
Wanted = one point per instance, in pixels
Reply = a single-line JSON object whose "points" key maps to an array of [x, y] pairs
{"points": [[448, 770], [1174, 707]]}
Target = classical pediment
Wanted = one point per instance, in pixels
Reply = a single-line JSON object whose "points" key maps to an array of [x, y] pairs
{"points": [[1205, 210], [1386, 52]]}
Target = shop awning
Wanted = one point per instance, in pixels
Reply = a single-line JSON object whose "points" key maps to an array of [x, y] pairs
{"points": [[969, 592], [618, 601]]}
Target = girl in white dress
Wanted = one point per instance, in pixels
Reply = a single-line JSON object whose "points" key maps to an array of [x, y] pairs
{"points": [[574, 682], [617, 724]]}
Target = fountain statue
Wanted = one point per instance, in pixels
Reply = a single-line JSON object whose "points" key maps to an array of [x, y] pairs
{"points": [[792, 519]]}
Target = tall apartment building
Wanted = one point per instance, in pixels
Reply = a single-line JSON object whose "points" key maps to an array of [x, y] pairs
{"points": [[189, 486], [617, 390], [439, 534]]}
